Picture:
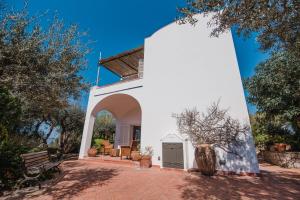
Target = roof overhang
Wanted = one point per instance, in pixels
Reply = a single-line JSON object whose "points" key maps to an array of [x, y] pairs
{"points": [[124, 64]]}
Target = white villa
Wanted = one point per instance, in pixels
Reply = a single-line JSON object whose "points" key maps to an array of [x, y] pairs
{"points": [[178, 67]]}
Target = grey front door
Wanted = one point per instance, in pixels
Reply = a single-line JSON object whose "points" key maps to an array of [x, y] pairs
{"points": [[172, 155]]}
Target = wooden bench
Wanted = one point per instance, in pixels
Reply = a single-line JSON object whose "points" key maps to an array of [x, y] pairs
{"points": [[36, 164]]}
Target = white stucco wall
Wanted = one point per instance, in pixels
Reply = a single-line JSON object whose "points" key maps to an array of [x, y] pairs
{"points": [[185, 68]]}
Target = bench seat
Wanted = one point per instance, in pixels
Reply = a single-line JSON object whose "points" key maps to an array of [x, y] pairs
{"points": [[35, 164]]}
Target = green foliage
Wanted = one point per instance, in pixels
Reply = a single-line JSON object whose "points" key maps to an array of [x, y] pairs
{"points": [[40, 74], [259, 131], [98, 143], [10, 162], [276, 22], [105, 126], [71, 122], [10, 110], [11, 167], [3, 133], [261, 140], [41, 65], [274, 89], [267, 132]]}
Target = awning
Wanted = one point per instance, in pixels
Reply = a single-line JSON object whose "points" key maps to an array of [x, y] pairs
{"points": [[124, 64]]}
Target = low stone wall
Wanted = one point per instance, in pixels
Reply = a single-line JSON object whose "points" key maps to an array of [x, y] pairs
{"points": [[283, 159]]}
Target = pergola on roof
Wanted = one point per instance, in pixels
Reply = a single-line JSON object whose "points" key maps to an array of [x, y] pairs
{"points": [[124, 64]]}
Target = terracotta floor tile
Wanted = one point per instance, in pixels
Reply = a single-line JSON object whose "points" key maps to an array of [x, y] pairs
{"points": [[88, 180]]}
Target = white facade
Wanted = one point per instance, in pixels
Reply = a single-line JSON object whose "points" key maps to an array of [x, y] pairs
{"points": [[183, 68]]}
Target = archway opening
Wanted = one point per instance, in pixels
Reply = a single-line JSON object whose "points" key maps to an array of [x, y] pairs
{"points": [[118, 119], [104, 127]]}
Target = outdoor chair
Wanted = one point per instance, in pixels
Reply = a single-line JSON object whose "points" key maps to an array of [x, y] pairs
{"points": [[134, 145], [107, 147], [114, 152], [126, 150]]}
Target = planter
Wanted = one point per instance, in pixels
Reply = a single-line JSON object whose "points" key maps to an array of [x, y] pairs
{"points": [[206, 159], [92, 152], [146, 162], [101, 150], [135, 155], [280, 147]]}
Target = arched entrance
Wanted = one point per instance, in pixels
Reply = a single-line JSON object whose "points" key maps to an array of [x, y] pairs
{"points": [[104, 127], [127, 113]]}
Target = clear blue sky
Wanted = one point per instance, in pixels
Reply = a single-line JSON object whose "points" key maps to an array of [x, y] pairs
{"points": [[120, 25]]}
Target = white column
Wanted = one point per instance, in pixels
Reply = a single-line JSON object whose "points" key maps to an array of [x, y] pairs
{"points": [[117, 135], [125, 134], [87, 129], [87, 135]]}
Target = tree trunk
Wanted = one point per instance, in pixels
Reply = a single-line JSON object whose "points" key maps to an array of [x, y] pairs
{"points": [[37, 127], [62, 137], [48, 134], [206, 159]]}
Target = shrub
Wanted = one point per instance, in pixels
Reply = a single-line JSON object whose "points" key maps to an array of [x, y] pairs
{"points": [[215, 127], [10, 162], [262, 140], [267, 133], [148, 151], [98, 143]]}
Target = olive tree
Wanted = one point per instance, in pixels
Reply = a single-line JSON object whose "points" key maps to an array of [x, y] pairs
{"points": [[276, 22], [70, 123], [41, 65], [214, 127], [104, 126], [274, 89]]}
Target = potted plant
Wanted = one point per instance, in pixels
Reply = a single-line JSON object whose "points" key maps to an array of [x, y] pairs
{"points": [[135, 155], [98, 144], [92, 152], [146, 157], [209, 130], [280, 147]]}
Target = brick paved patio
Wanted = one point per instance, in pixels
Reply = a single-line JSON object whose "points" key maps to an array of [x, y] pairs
{"points": [[92, 179]]}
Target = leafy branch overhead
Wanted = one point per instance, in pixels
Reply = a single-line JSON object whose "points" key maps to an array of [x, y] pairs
{"points": [[276, 22], [41, 66], [214, 127]]}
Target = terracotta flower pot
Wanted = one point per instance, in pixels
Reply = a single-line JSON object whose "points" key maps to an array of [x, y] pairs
{"points": [[206, 159], [280, 147], [146, 162], [92, 152], [135, 155]]}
